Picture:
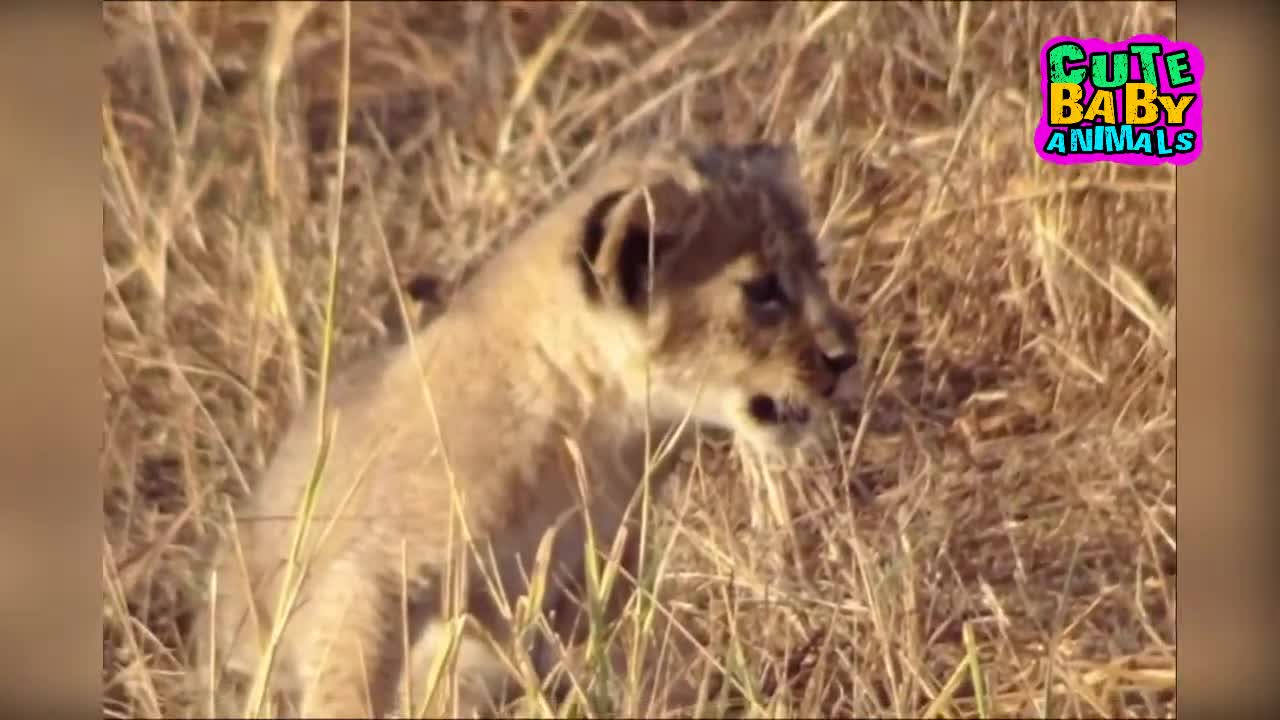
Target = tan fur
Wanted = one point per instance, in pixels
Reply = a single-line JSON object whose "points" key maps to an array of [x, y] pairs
{"points": [[530, 365]]}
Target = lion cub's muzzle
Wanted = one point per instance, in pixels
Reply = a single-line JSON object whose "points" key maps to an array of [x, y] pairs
{"points": [[836, 348], [787, 415]]}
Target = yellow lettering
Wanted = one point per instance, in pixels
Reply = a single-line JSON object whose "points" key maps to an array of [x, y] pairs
{"points": [[1064, 104], [1140, 104], [1175, 110], [1103, 103]]}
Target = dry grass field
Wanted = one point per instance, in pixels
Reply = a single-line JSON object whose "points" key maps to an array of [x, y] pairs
{"points": [[996, 535]]}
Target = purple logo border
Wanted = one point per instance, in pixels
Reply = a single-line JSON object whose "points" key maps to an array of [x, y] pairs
{"points": [[1193, 121]]}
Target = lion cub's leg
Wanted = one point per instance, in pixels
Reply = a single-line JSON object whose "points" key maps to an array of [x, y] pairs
{"points": [[484, 682], [231, 631], [347, 638]]}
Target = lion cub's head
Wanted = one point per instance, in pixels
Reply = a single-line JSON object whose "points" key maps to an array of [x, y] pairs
{"points": [[707, 257]]}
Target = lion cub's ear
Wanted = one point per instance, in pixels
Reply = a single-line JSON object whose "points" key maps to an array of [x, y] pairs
{"points": [[632, 236]]}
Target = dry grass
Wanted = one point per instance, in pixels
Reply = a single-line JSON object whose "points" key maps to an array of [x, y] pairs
{"points": [[997, 535]]}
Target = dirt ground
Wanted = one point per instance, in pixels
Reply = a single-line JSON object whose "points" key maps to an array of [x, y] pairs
{"points": [[995, 537]]}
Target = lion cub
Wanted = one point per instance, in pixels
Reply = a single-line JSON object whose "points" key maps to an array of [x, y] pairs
{"points": [[679, 282]]}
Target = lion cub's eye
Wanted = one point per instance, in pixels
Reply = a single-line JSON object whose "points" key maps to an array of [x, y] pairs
{"points": [[766, 297], [765, 290]]}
